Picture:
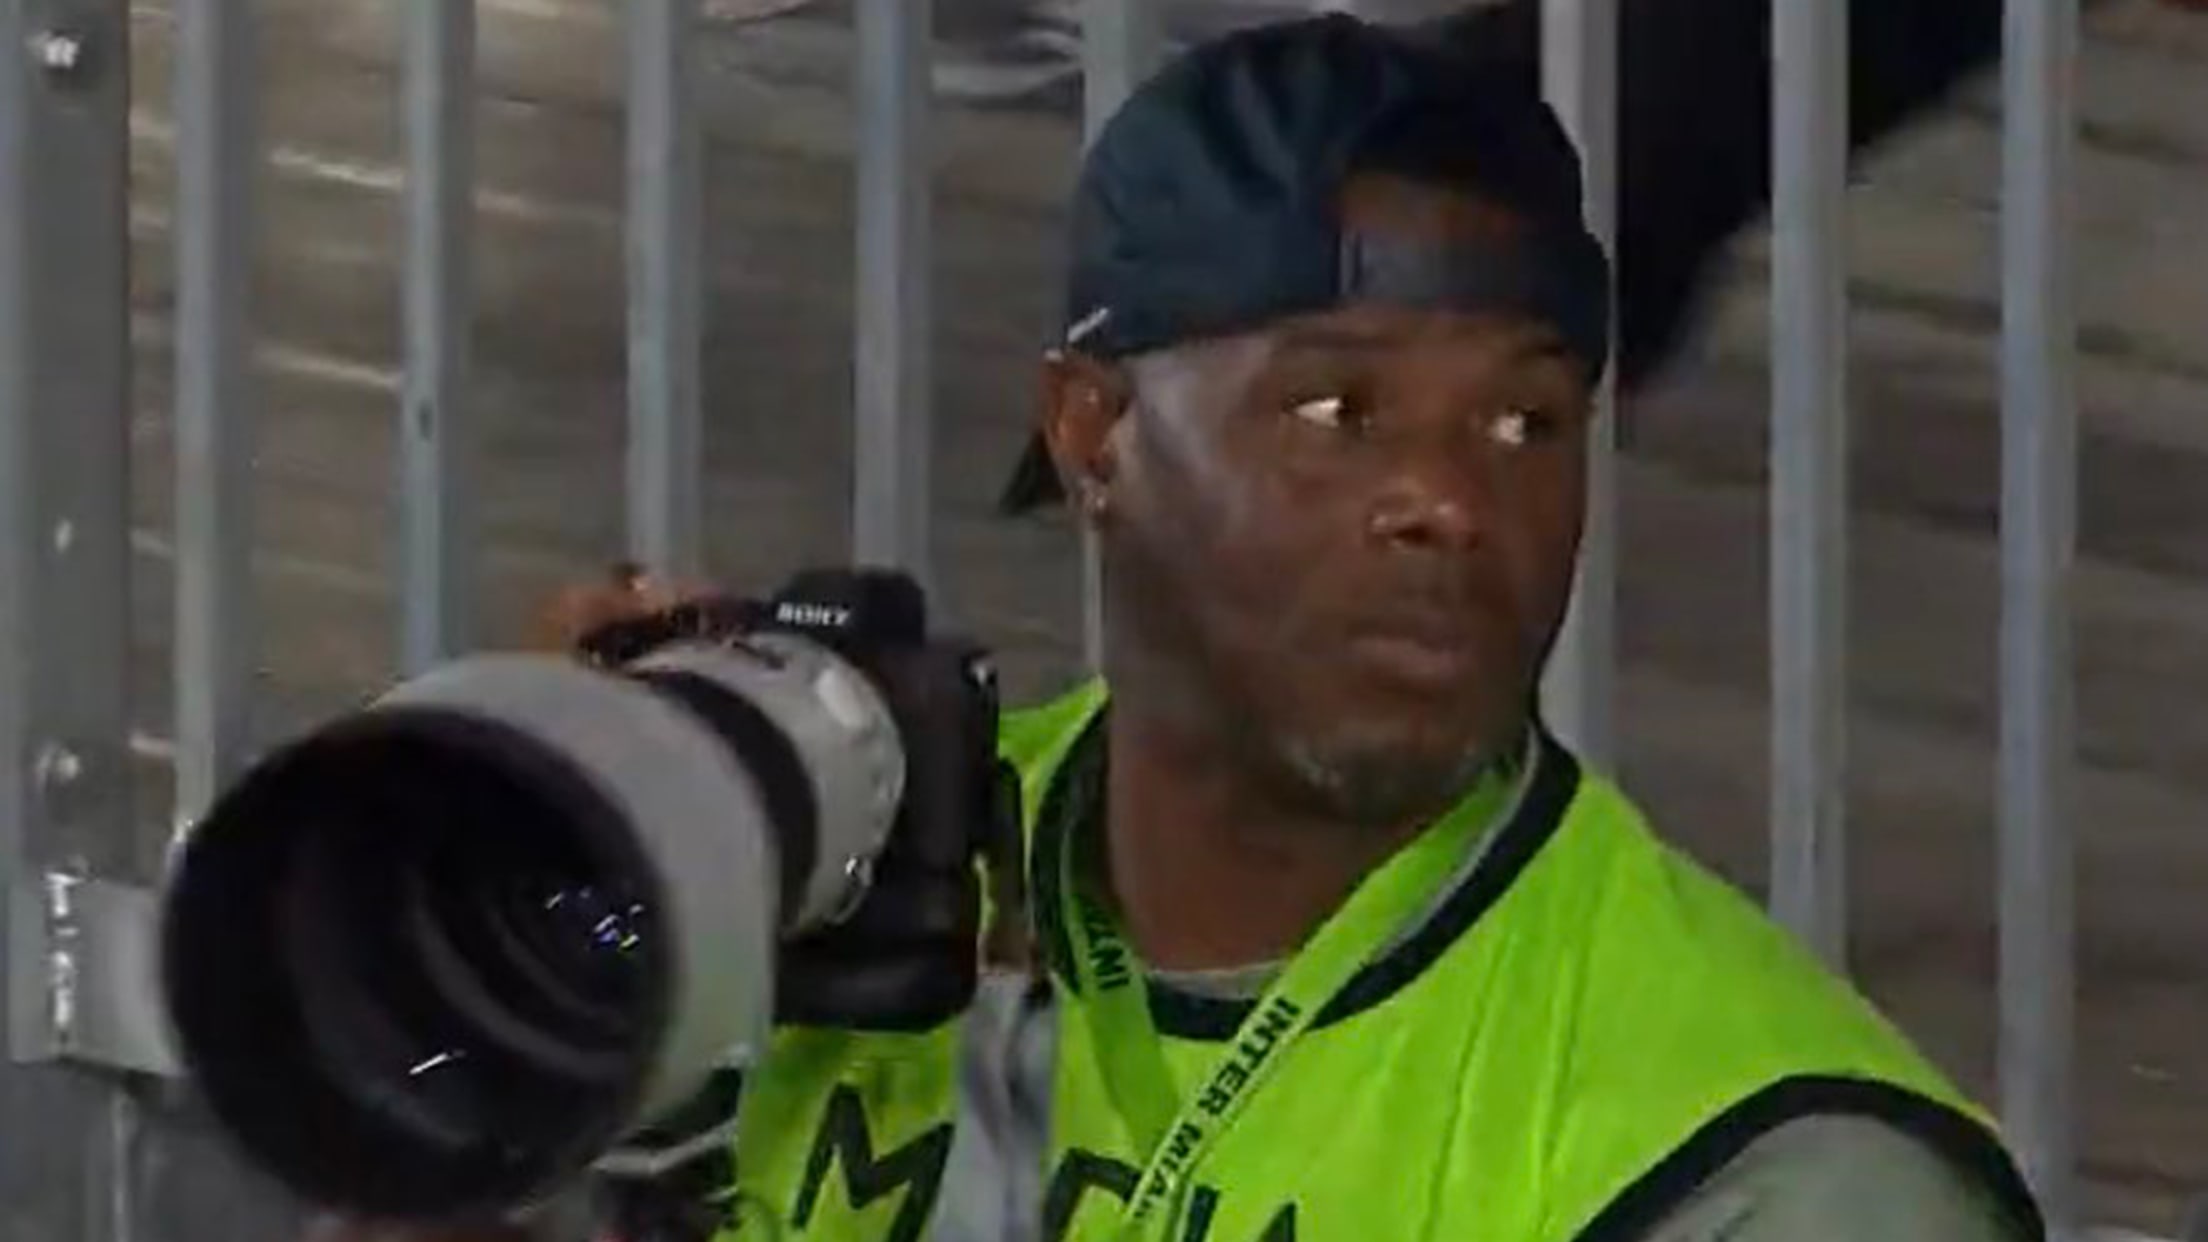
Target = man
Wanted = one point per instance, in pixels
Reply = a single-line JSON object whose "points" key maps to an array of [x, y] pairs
{"points": [[1340, 942], [1325, 396]]}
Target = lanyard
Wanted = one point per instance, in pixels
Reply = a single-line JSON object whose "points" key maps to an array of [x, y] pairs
{"points": [[1176, 1135]]}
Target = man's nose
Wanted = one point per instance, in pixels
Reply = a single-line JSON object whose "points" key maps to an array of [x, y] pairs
{"points": [[1435, 497]]}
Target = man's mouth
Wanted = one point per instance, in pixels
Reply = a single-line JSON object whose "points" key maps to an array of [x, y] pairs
{"points": [[1424, 652]]}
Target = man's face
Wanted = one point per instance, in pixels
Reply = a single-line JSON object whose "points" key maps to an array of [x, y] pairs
{"points": [[1347, 541]]}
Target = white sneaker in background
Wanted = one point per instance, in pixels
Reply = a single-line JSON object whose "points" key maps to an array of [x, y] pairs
{"points": [[1005, 52], [748, 10]]}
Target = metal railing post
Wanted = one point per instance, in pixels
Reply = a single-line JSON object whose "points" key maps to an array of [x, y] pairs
{"points": [[1120, 46], [64, 583], [2038, 538], [666, 208], [1809, 472], [437, 434], [894, 399], [215, 424], [1579, 74]]}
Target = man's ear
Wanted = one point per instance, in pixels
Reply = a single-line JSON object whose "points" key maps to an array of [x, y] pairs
{"points": [[1083, 401]]}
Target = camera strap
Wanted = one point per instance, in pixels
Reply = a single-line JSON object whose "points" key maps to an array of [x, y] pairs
{"points": [[1176, 1135]]}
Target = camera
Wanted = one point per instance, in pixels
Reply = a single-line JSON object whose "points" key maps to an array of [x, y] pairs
{"points": [[440, 955]]}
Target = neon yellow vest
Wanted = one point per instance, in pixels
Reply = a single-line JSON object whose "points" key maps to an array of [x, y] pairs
{"points": [[1582, 1032]]}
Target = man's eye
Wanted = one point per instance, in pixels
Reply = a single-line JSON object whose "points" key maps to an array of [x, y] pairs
{"points": [[1519, 425], [1335, 413]]}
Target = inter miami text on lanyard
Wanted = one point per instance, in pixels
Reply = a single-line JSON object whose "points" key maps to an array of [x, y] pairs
{"points": [[1176, 1135]]}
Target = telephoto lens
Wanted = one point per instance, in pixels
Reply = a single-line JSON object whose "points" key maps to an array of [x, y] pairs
{"points": [[432, 959]]}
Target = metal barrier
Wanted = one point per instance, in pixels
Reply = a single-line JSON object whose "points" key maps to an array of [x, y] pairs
{"points": [[70, 846], [64, 610]]}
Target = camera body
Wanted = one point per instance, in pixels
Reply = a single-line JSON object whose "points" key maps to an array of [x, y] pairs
{"points": [[438, 957]]}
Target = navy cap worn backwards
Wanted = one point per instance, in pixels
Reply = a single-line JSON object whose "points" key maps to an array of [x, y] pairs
{"points": [[1211, 202]]}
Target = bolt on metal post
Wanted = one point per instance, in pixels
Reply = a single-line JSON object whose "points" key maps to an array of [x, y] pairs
{"points": [[62, 54]]}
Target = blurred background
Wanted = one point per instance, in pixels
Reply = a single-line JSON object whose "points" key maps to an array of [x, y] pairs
{"points": [[549, 390]]}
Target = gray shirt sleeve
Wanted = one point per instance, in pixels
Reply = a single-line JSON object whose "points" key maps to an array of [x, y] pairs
{"points": [[1838, 1179]]}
